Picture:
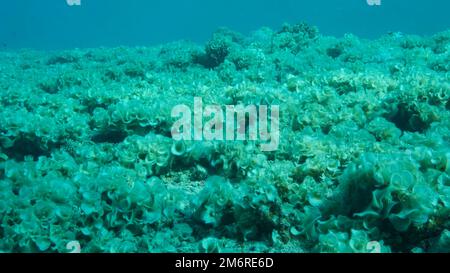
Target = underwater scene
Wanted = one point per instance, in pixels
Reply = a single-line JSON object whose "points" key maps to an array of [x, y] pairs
{"points": [[225, 126]]}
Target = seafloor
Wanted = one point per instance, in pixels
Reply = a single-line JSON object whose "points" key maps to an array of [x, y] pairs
{"points": [[86, 152]]}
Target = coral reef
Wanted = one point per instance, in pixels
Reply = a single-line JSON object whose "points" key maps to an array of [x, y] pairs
{"points": [[86, 152]]}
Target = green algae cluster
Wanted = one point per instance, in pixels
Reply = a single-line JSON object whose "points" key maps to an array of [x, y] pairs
{"points": [[86, 152]]}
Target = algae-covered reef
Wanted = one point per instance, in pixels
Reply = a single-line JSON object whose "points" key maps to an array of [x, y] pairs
{"points": [[86, 152]]}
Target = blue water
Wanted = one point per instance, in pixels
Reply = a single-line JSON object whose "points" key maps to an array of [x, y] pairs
{"points": [[52, 24]]}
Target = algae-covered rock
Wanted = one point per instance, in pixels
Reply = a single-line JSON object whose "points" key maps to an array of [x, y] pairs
{"points": [[362, 163]]}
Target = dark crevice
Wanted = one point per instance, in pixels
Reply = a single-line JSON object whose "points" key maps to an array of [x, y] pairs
{"points": [[407, 118], [2, 171], [135, 72], [51, 87], [58, 60], [23, 147], [335, 52], [109, 136]]}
